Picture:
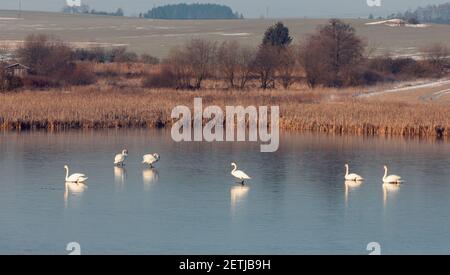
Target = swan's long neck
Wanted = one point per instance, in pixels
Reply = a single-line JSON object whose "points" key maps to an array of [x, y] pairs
{"points": [[235, 168], [385, 172], [346, 170], [67, 172]]}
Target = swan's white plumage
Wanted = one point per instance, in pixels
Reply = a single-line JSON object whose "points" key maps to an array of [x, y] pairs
{"points": [[352, 177], [391, 178], [120, 158], [77, 177], [241, 175], [150, 159]]}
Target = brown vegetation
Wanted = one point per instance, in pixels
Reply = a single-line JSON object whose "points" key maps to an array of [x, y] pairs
{"points": [[88, 107]]}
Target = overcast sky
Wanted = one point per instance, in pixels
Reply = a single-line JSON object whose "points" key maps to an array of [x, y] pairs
{"points": [[250, 8]]}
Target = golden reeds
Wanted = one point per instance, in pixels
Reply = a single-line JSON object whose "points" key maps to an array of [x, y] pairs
{"points": [[323, 110]]}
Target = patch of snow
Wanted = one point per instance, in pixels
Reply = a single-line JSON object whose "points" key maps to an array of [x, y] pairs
{"points": [[408, 87], [236, 34], [396, 23], [8, 18]]}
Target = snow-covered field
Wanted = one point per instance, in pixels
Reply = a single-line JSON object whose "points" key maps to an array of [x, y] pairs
{"points": [[396, 23], [421, 90]]}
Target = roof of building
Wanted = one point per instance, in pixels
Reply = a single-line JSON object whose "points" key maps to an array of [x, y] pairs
{"points": [[17, 65]]}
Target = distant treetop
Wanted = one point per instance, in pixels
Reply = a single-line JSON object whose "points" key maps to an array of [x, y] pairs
{"points": [[277, 35], [193, 11]]}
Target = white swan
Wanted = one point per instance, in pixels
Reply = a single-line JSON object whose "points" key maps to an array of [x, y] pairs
{"points": [[120, 158], [239, 174], [352, 177], [75, 178], [392, 178], [151, 159]]}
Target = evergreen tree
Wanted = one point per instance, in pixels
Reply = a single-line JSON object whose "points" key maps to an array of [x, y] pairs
{"points": [[277, 35]]}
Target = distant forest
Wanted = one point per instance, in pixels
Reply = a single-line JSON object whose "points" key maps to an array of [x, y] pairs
{"points": [[192, 11], [86, 10], [430, 14]]}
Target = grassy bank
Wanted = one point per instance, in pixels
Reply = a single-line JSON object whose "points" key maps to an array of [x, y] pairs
{"points": [[323, 110]]}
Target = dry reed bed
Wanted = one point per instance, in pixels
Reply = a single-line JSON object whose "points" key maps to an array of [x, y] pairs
{"points": [[321, 110]]}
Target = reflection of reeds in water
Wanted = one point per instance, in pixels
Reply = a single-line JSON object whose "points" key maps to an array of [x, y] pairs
{"points": [[238, 193], [351, 185], [149, 177], [389, 188]]}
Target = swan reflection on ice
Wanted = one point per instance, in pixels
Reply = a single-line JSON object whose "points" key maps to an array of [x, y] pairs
{"points": [[73, 188], [238, 194], [120, 175], [349, 186], [149, 177], [389, 189]]}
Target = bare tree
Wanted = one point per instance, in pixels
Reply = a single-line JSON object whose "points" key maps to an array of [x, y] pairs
{"points": [[246, 60], [335, 47], [201, 54], [266, 65], [179, 63], [235, 63], [228, 61], [311, 61], [287, 66]]}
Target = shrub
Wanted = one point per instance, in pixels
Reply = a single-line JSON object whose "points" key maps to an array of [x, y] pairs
{"points": [[81, 75], [162, 79], [14, 82], [44, 55], [40, 82], [149, 59]]}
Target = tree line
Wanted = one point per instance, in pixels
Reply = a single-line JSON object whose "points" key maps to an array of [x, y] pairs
{"points": [[333, 56], [439, 14], [192, 11]]}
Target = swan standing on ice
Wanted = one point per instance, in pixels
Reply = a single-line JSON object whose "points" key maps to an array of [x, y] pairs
{"points": [[352, 177], [239, 174], [120, 158], [394, 179], [151, 159], [74, 178]]}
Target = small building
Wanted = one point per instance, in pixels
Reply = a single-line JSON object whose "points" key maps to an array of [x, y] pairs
{"points": [[17, 70]]}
